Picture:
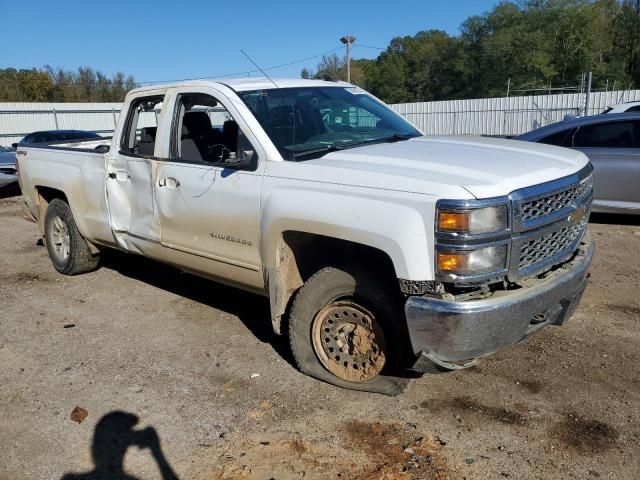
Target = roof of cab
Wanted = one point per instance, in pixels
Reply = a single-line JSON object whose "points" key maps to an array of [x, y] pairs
{"points": [[252, 83]]}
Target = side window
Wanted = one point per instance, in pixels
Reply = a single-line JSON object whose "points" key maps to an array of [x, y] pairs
{"points": [[622, 134], [634, 109], [560, 139], [139, 136], [205, 132]]}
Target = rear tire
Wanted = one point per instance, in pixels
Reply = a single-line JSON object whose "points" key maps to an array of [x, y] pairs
{"points": [[67, 249], [347, 328]]}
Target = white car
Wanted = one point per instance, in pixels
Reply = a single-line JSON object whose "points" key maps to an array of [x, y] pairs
{"points": [[623, 107], [7, 167], [381, 249]]}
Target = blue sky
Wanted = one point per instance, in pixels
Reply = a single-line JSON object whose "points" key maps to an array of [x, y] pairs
{"points": [[165, 40]]}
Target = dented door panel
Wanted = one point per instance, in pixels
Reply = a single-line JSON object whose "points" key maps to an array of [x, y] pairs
{"points": [[214, 213]]}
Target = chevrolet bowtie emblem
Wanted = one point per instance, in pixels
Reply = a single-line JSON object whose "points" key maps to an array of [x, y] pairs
{"points": [[576, 215]]}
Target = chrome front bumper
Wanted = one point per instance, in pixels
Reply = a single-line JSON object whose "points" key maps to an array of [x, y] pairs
{"points": [[450, 335]]}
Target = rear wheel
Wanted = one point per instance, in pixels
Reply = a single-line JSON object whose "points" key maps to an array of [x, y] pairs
{"points": [[67, 249], [346, 328]]}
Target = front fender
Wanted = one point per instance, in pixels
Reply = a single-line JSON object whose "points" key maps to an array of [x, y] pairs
{"points": [[400, 225]]}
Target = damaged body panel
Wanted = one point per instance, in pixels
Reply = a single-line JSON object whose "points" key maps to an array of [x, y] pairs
{"points": [[274, 188]]}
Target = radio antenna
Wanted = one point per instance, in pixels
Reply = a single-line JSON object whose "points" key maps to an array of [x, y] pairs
{"points": [[258, 67]]}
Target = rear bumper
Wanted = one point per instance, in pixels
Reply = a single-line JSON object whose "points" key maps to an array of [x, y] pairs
{"points": [[450, 335]]}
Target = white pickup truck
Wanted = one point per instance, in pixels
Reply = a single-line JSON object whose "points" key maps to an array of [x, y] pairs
{"points": [[382, 251]]}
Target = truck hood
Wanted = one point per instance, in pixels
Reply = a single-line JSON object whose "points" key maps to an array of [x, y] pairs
{"points": [[485, 167]]}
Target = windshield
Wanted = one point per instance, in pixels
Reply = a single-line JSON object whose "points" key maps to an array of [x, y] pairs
{"points": [[308, 122]]}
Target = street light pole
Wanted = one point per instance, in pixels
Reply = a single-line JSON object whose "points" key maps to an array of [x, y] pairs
{"points": [[348, 41]]}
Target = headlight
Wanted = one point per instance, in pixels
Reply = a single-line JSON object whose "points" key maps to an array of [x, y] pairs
{"points": [[473, 221], [483, 260]]}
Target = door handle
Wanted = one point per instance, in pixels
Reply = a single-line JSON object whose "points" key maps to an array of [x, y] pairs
{"points": [[119, 175], [169, 182]]}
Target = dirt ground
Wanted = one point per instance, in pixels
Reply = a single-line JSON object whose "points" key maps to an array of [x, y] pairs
{"points": [[181, 377]]}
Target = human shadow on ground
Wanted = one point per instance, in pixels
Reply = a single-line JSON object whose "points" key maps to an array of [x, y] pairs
{"points": [[253, 310], [113, 435]]}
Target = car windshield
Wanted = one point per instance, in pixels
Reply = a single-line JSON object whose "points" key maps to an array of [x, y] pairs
{"points": [[308, 122], [5, 149]]}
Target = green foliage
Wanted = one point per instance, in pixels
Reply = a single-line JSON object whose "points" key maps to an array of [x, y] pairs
{"points": [[57, 85], [534, 43]]}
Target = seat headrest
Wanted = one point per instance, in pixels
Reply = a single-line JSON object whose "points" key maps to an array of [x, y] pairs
{"points": [[230, 126], [148, 134], [196, 123]]}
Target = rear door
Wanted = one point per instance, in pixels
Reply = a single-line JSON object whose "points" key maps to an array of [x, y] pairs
{"points": [[614, 150], [207, 209], [129, 183]]}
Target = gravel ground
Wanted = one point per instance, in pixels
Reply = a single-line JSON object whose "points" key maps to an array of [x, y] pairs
{"points": [[176, 376]]}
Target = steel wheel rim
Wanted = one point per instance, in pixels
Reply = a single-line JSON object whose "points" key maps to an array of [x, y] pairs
{"points": [[348, 341], [60, 238]]}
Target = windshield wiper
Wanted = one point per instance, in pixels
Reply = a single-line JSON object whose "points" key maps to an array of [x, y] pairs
{"points": [[311, 151], [397, 137], [333, 147]]}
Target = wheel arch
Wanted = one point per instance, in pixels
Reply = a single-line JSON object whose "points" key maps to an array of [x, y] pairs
{"points": [[44, 196], [299, 254]]}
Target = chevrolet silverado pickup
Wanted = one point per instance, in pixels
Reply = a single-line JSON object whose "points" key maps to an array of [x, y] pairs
{"points": [[382, 251]]}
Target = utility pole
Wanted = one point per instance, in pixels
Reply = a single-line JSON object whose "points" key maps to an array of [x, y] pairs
{"points": [[588, 95], [348, 41]]}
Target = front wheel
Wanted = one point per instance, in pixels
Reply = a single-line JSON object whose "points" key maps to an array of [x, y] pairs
{"points": [[346, 328], [67, 249]]}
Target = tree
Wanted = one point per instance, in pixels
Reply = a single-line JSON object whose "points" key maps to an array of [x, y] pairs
{"points": [[534, 43], [627, 39], [58, 85], [332, 67]]}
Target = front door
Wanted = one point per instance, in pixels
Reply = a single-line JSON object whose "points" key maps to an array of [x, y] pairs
{"points": [[207, 209], [129, 183]]}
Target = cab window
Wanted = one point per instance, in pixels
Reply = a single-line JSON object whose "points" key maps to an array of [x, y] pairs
{"points": [[204, 131], [139, 136]]}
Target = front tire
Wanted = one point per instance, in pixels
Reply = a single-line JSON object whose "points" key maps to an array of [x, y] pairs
{"points": [[347, 328], [67, 249]]}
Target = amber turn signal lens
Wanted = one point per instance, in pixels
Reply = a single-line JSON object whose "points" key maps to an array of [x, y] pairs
{"points": [[452, 262], [453, 221]]}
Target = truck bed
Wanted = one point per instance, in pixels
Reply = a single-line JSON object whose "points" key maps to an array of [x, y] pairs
{"points": [[93, 145], [77, 169]]}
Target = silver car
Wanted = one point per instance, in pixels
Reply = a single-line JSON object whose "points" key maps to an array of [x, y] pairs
{"points": [[7, 166], [612, 143]]}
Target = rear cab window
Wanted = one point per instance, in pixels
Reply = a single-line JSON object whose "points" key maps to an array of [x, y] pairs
{"points": [[139, 135]]}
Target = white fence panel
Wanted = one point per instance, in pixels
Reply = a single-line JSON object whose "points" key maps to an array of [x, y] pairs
{"points": [[482, 116], [505, 115], [18, 119]]}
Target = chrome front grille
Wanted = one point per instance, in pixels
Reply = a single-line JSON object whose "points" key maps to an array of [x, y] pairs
{"points": [[539, 207], [549, 224], [549, 245]]}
